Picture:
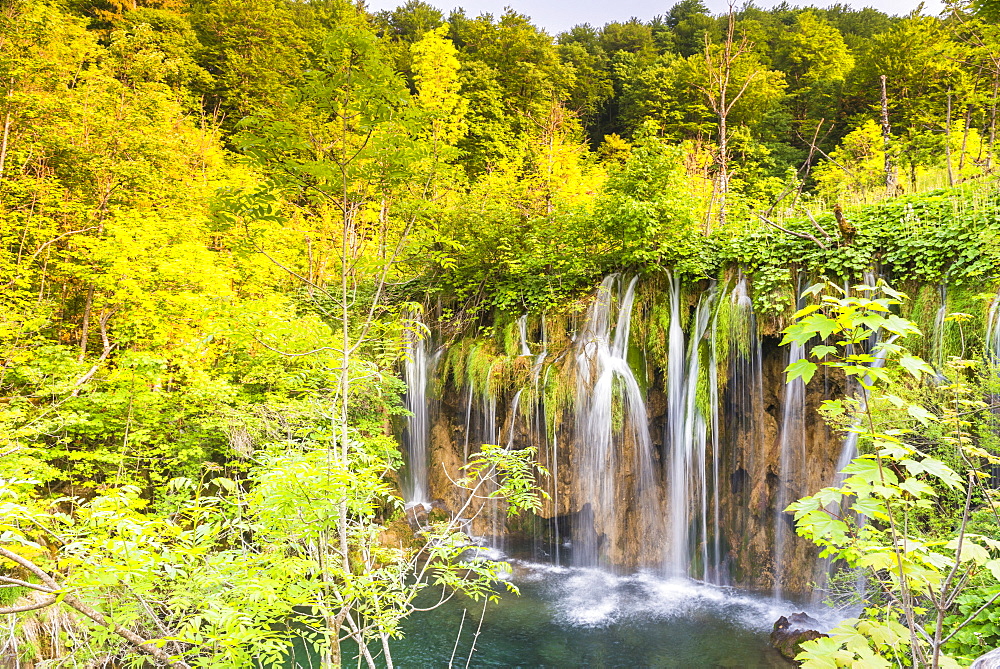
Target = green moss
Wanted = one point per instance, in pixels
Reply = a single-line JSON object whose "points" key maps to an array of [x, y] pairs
{"points": [[559, 392], [507, 334], [479, 365], [963, 338], [658, 329], [703, 402], [617, 405], [922, 310]]}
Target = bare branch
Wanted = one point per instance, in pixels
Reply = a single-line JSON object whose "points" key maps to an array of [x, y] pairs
{"points": [[25, 584], [291, 355], [56, 239], [93, 370], [803, 235], [804, 170], [818, 226], [972, 616], [32, 606]]}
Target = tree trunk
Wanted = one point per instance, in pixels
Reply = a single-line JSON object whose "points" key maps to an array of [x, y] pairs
{"points": [[947, 142], [965, 140], [144, 646], [993, 125], [6, 131], [3, 144], [85, 331], [890, 163], [723, 167]]}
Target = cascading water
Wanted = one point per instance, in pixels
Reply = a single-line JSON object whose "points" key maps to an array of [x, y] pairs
{"points": [[849, 447], [849, 451], [522, 330], [713, 562], [415, 436], [603, 474], [704, 501], [939, 327], [686, 481], [744, 413], [479, 427], [993, 330], [791, 459]]}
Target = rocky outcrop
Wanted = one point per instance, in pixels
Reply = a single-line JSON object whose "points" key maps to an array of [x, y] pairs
{"points": [[790, 633]]}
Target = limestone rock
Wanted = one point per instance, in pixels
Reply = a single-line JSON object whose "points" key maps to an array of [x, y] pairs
{"points": [[789, 633]]}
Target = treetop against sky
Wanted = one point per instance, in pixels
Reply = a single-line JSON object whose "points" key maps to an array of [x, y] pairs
{"points": [[558, 15]]}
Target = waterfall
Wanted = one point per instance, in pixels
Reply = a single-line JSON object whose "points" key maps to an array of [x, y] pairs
{"points": [[417, 369], [547, 450], [602, 475], [993, 331], [522, 330], [849, 451], [677, 553], [791, 459], [496, 508], [471, 395], [687, 484], [745, 408], [713, 569], [702, 505], [939, 327], [849, 447]]}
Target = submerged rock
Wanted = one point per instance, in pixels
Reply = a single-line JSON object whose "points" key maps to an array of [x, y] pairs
{"points": [[789, 633]]}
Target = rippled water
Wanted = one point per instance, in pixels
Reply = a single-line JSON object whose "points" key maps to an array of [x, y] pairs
{"points": [[570, 617]]}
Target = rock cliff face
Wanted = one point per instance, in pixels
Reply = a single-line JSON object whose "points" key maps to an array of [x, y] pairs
{"points": [[686, 475]]}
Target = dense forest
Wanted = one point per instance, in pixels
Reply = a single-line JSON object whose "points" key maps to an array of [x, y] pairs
{"points": [[226, 224]]}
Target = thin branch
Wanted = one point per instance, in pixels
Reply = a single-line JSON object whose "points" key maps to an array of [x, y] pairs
{"points": [[291, 355], [803, 235], [25, 584], [93, 370], [458, 637], [297, 275], [56, 239], [818, 226], [806, 168], [971, 617], [46, 245], [34, 606], [475, 637], [827, 156]]}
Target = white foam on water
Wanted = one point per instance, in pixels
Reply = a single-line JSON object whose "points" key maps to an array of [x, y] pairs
{"points": [[477, 551], [581, 597], [534, 572]]}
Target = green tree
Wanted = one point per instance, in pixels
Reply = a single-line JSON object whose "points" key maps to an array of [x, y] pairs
{"points": [[436, 73], [255, 52], [692, 27], [815, 61]]}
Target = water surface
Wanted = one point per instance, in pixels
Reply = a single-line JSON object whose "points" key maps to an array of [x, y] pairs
{"points": [[572, 617]]}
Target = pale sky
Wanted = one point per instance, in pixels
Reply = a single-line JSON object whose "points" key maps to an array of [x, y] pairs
{"points": [[558, 15]]}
